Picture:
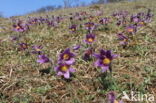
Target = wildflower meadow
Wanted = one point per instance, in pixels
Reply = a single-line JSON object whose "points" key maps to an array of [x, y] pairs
{"points": [[88, 54]]}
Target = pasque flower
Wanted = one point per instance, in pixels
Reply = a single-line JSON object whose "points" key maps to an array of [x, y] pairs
{"points": [[73, 28], [19, 27], [123, 39], [90, 38], [64, 70], [43, 59], [104, 21], [67, 57], [23, 46], [88, 54], [135, 18], [76, 47], [90, 26], [112, 98], [131, 29], [37, 49], [104, 59]]}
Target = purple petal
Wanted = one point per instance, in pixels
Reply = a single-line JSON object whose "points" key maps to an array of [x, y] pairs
{"points": [[56, 68], [97, 63], [115, 55], [66, 50], [66, 75], [76, 47], [40, 61], [96, 55], [60, 74], [40, 56], [71, 61], [72, 70], [105, 68], [121, 101], [111, 97]]}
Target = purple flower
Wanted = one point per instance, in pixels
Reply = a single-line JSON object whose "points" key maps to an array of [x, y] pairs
{"points": [[123, 39], [104, 21], [67, 57], [33, 21], [76, 47], [119, 22], [141, 23], [23, 46], [131, 29], [120, 14], [64, 70], [52, 23], [88, 54], [112, 98], [73, 28], [19, 27], [37, 49], [104, 59], [90, 26], [90, 38], [148, 16], [43, 59], [135, 18]]}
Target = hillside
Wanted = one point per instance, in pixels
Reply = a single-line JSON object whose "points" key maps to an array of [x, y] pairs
{"points": [[112, 49]]}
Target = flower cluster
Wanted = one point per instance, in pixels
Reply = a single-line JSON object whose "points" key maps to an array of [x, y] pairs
{"points": [[129, 23], [65, 62], [20, 27]]}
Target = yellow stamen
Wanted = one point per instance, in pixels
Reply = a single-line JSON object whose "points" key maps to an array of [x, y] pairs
{"points": [[142, 23], [24, 46], [65, 56], [130, 30], [17, 27], [64, 68], [125, 40], [73, 29], [90, 40], [106, 61], [38, 49], [33, 22], [116, 101]]}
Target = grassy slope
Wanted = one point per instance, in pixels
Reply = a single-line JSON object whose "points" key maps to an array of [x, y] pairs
{"points": [[20, 79]]}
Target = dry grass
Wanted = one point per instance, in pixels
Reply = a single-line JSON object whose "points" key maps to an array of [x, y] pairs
{"points": [[135, 69]]}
